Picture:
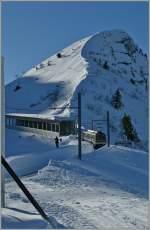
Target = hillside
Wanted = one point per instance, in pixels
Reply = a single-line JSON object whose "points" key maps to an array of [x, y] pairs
{"points": [[96, 66]]}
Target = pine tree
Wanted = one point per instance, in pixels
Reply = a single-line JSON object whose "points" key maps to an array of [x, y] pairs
{"points": [[128, 129], [105, 65], [117, 100]]}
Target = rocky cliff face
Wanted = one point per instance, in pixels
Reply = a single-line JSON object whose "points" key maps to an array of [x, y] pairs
{"points": [[96, 66]]}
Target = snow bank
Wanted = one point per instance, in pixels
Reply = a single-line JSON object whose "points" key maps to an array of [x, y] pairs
{"points": [[108, 187], [27, 152], [124, 166], [19, 219]]}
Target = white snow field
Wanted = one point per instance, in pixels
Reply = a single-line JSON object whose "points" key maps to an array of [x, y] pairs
{"points": [[82, 67], [108, 188]]}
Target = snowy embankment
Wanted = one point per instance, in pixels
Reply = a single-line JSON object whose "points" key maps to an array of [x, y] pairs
{"points": [[20, 218], [108, 188], [27, 152]]}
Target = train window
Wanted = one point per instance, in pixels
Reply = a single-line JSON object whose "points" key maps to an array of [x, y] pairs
{"points": [[18, 122], [44, 125], [53, 127], [35, 124], [7, 121], [39, 125], [26, 123], [11, 121], [57, 127], [67, 130], [49, 127], [30, 124]]}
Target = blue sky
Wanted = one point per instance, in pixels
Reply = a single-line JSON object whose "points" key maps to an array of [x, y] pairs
{"points": [[33, 31]]}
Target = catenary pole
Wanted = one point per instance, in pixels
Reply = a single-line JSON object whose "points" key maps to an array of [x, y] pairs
{"points": [[92, 124], [108, 130], [79, 126]]}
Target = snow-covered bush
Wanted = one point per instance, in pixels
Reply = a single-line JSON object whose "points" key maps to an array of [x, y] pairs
{"points": [[132, 81], [59, 55], [17, 88], [49, 63], [41, 65]]}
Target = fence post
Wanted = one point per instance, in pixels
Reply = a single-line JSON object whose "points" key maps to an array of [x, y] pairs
{"points": [[79, 126], [2, 102], [108, 130]]}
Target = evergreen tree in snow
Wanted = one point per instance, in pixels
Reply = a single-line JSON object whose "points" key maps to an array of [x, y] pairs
{"points": [[128, 129], [105, 65], [116, 100]]}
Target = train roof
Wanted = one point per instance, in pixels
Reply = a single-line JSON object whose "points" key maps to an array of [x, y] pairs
{"points": [[38, 116], [92, 131]]}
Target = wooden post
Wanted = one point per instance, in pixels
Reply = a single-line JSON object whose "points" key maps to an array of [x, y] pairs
{"points": [[79, 126], [108, 130], [2, 101]]}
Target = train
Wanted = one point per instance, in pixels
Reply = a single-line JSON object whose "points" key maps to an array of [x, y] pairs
{"points": [[49, 127], [40, 125], [97, 138]]}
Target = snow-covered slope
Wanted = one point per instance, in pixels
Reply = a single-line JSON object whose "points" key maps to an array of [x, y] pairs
{"points": [[107, 189], [96, 66]]}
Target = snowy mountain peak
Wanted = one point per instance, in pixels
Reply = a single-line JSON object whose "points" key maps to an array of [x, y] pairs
{"points": [[97, 66]]}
